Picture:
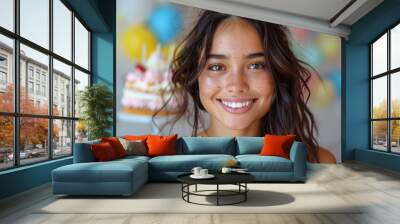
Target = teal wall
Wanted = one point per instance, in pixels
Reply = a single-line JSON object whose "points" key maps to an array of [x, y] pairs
{"points": [[356, 93], [99, 15]]}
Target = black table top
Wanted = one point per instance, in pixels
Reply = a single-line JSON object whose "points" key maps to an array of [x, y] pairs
{"points": [[220, 178]]}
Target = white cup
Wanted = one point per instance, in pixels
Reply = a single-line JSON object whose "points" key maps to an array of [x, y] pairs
{"points": [[226, 170], [203, 172], [196, 170]]}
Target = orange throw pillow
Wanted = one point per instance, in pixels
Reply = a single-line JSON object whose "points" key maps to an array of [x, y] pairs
{"points": [[116, 145], [161, 145], [277, 145], [103, 151], [136, 137]]}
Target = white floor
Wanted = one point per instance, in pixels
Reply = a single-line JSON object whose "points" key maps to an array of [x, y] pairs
{"points": [[378, 189]]}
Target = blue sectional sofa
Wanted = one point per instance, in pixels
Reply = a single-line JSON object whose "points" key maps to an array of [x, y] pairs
{"points": [[125, 176]]}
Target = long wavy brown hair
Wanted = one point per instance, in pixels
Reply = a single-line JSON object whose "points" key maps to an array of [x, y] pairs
{"points": [[289, 113]]}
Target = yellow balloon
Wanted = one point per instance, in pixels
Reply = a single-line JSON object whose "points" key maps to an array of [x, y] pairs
{"points": [[330, 45], [322, 94], [138, 42]]}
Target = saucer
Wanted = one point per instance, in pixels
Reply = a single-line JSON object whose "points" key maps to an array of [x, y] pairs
{"points": [[208, 176]]}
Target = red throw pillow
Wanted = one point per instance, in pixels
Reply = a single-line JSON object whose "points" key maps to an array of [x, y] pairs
{"points": [[161, 145], [277, 145], [116, 145], [136, 137], [103, 151]]}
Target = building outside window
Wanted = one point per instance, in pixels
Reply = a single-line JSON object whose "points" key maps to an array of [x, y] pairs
{"points": [[385, 91], [59, 133]]}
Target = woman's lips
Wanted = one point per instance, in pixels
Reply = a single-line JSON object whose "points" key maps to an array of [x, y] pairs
{"points": [[237, 106]]}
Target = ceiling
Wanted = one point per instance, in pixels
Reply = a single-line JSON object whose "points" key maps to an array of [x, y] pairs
{"points": [[327, 16]]}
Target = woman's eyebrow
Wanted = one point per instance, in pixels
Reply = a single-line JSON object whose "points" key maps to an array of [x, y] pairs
{"points": [[222, 56]]}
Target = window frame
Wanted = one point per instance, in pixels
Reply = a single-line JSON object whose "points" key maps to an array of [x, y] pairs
{"points": [[388, 74], [16, 115]]}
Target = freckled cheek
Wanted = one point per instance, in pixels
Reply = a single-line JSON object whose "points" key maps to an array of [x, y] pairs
{"points": [[264, 85], [208, 87]]}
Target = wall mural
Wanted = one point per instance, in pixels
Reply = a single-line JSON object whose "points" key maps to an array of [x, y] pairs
{"points": [[148, 33]]}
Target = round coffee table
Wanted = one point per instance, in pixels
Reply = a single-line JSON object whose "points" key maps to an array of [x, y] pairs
{"points": [[238, 179]]}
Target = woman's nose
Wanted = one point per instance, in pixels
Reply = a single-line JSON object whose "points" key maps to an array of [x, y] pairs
{"points": [[236, 82]]}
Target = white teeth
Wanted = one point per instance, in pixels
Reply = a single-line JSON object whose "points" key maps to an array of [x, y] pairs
{"points": [[237, 104]]}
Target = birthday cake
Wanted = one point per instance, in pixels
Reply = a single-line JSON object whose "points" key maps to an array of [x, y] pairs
{"points": [[148, 88]]}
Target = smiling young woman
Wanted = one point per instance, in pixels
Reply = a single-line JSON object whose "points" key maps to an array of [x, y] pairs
{"points": [[243, 73]]}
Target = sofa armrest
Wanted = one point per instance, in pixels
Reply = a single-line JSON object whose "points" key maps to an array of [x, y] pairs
{"points": [[83, 152], [298, 155]]}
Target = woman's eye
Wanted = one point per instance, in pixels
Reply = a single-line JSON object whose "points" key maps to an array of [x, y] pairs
{"points": [[257, 66], [216, 68]]}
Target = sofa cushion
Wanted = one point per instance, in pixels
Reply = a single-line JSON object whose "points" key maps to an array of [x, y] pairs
{"points": [[257, 163], [83, 152], [185, 163], [111, 171], [249, 145], [206, 145]]}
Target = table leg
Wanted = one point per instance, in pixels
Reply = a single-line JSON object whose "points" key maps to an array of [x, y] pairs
{"points": [[217, 194], [196, 188]]}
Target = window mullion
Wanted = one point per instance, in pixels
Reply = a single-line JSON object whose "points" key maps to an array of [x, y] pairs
{"points": [[389, 76], [73, 82], [50, 81]]}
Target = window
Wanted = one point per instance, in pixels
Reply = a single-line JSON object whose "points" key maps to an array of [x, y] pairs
{"points": [[3, 78], [43, 90], [41, 83], [30, 87], [385, 91], [30, 72]]}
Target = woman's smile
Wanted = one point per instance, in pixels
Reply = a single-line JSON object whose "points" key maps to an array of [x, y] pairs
{"points": [[236, 105]]}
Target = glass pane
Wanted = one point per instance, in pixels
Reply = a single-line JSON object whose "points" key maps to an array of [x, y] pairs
{"points": [[379, 135], [7, 14], [81, 131], [379, 55], [81, 45], [62, 138], [379, 97], [62, 29], [6, 74], [395, 94], [62, 89], [395, 47], [6, 142], [34, 94], [395, 138], [33, 139], [35, 21], [81, 81]]}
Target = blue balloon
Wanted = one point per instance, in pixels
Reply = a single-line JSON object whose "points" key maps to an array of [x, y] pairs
{"points": [[166, 22], [336, 79], [313, 56]]}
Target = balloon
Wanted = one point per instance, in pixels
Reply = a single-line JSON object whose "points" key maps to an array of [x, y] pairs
{"points": [[313, 56], [322, 94], [166, 23], [138, 42], [300, 34], [330, 45], [336, 79]]}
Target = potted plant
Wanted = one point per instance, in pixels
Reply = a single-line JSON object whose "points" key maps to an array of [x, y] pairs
{"points": [[96, 102]]}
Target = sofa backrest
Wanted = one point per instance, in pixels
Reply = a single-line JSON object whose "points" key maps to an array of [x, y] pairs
{"points": [[83, 152], [206, 145], [249, 145]]}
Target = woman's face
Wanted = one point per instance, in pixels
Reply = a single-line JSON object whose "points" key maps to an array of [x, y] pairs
{"points": [[235, 86]]}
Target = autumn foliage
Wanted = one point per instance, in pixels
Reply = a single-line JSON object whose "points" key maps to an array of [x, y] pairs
{"points": [[33, 131]]}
